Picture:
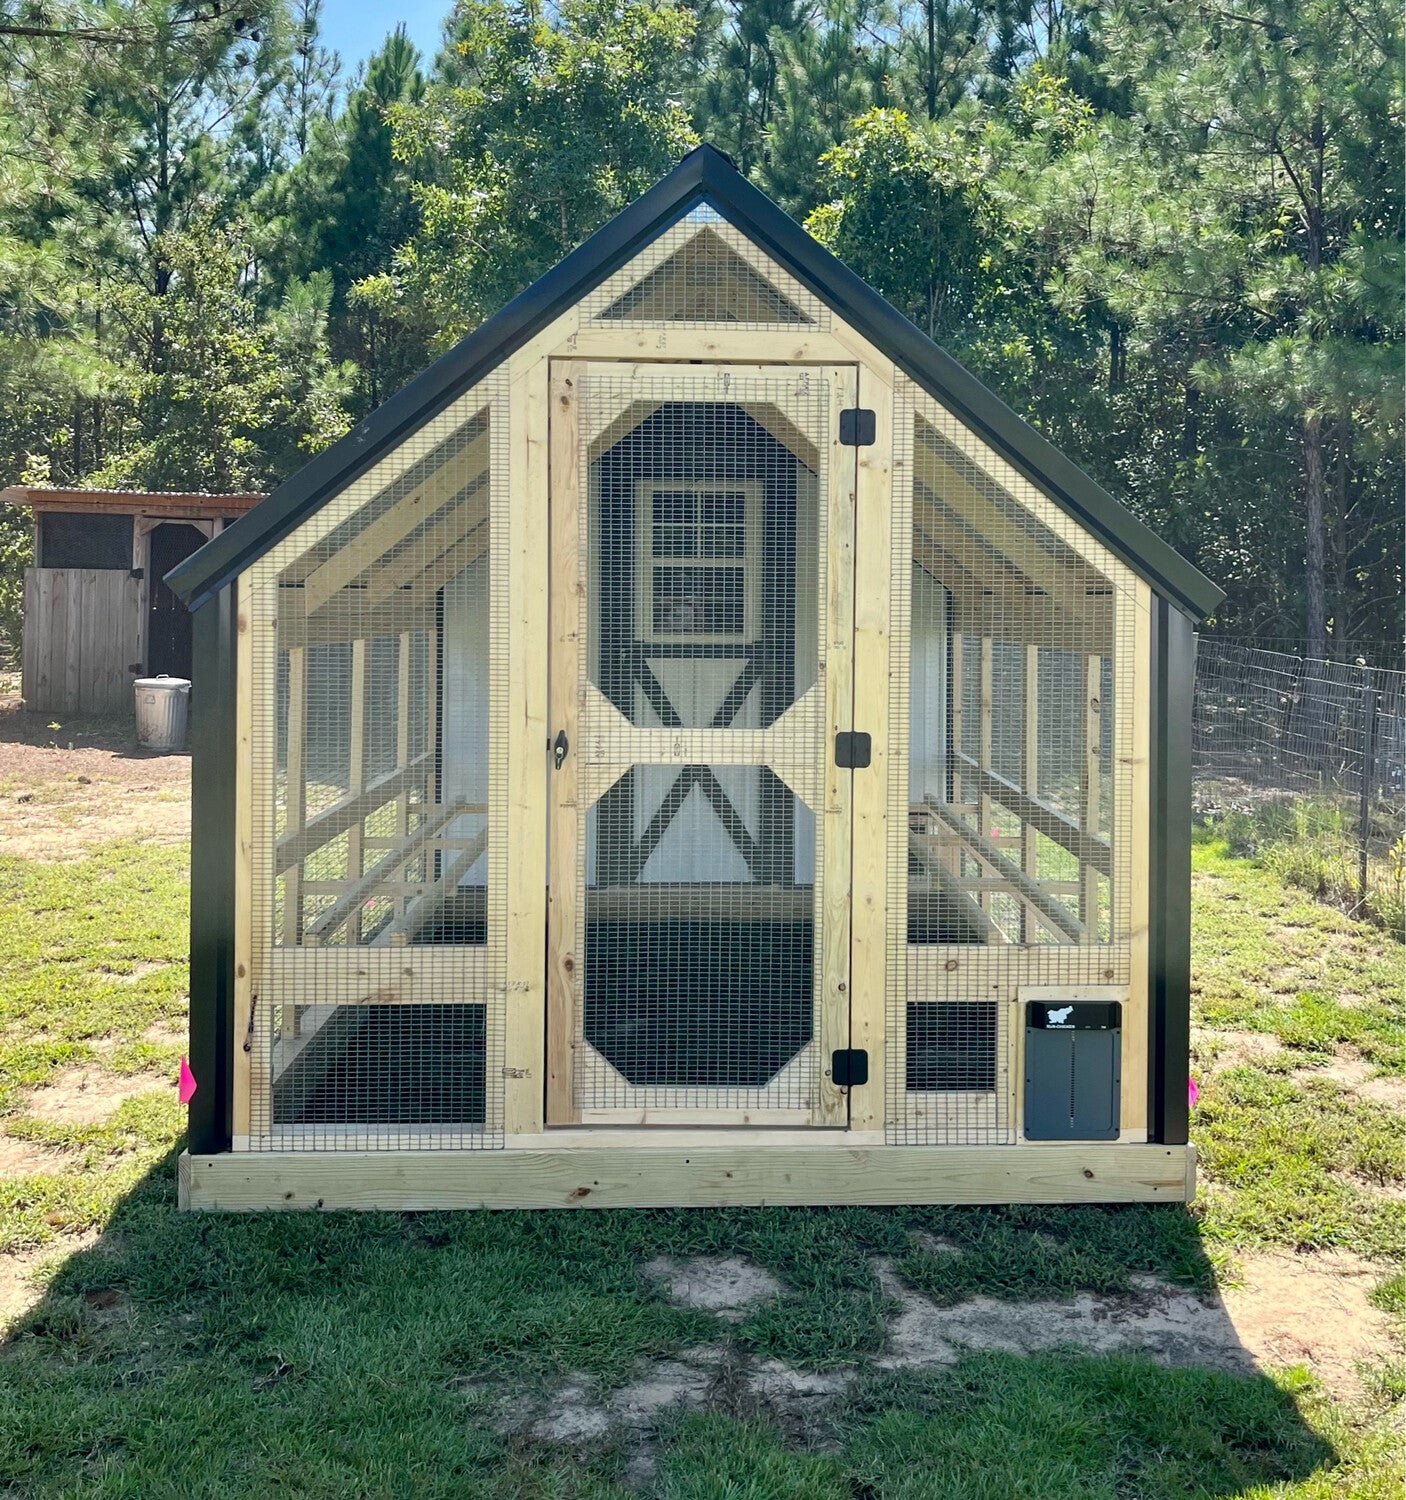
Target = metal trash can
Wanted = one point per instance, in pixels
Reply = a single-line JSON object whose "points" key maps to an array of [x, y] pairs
{"points": [[161, 712]]}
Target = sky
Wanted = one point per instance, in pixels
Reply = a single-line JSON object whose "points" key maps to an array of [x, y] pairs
{"points": [[356, 28]]}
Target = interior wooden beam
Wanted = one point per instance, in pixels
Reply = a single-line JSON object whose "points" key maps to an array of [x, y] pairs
{"points": [[1087, 848], [1068, 582], [361, 551], [953, 888], [348, 810], [428, 906], [405, 849], [1058, 918], [418, 552]]}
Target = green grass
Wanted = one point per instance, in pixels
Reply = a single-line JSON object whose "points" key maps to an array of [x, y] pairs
{"points": [[332, 1355], [1271, 959]]}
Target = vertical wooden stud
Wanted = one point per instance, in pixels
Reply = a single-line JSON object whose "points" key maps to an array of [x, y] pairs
{"points": [[1132, 826], [526, 762], [1030, 777], [1092, 788], [869, 916], [295, 801], [244, 1038], [356, 777], [983, 750], [837, 627], [564, 960]]}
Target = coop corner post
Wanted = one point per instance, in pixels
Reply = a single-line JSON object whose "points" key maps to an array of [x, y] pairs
{"points": [[213, 988], [563, 501], [1169, 951]]}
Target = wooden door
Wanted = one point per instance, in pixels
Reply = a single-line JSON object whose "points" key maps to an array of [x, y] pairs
{"points": [[702, 616]]}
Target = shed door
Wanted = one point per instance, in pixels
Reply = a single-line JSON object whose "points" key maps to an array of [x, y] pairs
{"points": [[702, 524]]}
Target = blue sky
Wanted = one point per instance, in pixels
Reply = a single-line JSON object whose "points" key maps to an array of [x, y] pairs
{"points": [[356, 28]]}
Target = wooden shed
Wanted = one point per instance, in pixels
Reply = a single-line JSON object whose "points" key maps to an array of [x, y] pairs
{"points": [[97, 611], [693, 745]]}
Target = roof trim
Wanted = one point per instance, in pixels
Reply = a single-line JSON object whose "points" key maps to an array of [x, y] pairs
{"points": [[703, 176], [136, 502]]}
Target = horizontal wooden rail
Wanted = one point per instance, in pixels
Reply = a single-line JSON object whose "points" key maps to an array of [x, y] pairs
{"points": [[438, 895], [405, 849], [295, 847], [1054, 915], [1085, 847], [953, 888]]}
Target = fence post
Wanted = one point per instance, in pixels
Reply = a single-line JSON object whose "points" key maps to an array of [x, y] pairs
{"points": [[1364, 794], [1291, 700]]}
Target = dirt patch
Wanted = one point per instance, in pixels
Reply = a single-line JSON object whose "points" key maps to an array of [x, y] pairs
{"points": [[165, 1036], [1355, 1075], [1171, 1326], [25, 1158], [933, 1244], [60, 820], [725, 1286], [83, 782], [23, 1275], [1310, 1310], [86, 1096], [1289, 1310], [1232, 1049]]}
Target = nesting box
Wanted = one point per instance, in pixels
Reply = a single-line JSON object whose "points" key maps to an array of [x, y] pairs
{"points": [[694, 745]]}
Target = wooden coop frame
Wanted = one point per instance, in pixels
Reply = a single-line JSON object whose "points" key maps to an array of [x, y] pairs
{"points": [[694, 745]]}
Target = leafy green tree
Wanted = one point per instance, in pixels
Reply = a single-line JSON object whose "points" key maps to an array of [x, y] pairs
{"points": [[236, 399], [543, 130], [1243, 224], [345, 208], [901, 213]]}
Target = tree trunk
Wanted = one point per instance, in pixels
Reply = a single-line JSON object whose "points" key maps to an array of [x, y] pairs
{"points": [[1315, 604]]}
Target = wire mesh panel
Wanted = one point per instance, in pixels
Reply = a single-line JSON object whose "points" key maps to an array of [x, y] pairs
{"points": [[378, 672], [701, 539], [704, 272], [1291, 754], [1012, 705]]}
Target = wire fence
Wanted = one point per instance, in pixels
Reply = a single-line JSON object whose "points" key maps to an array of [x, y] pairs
{"points": [[1303, 761]]}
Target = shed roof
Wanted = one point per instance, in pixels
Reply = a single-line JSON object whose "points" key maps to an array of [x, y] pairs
{"points": [[704, 176], [175, 504]]}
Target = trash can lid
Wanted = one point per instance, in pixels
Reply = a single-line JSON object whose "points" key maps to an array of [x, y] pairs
{"points": [[161, 680]]}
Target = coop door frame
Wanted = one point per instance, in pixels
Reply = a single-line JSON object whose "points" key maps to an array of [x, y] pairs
{"points": [[575, 706]]}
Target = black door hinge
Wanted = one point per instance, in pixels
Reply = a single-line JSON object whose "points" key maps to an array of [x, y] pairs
{"points": [[857, 427], [849, 1067], [853, 749]]}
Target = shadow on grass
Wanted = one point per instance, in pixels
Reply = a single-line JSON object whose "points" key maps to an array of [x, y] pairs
{"points": [[376, 1354]]}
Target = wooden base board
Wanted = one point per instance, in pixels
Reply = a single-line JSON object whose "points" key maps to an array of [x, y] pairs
{"points": [[674, 1175]]}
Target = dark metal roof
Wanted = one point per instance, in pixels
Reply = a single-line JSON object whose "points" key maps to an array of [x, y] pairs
{"points": [[703, 176]]}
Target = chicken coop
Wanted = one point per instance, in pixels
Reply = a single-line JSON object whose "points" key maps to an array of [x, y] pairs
{"points": [[694, 745]]}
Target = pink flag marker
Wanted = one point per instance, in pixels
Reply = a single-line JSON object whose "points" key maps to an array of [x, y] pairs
{"points": [[187, 1085], [1192, 1092]]}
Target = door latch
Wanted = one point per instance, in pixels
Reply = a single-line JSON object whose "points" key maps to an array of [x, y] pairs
{"points": [[560, 748]]}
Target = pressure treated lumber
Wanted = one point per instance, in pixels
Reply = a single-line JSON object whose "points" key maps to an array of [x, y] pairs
{"points": [[611, 1176]]}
